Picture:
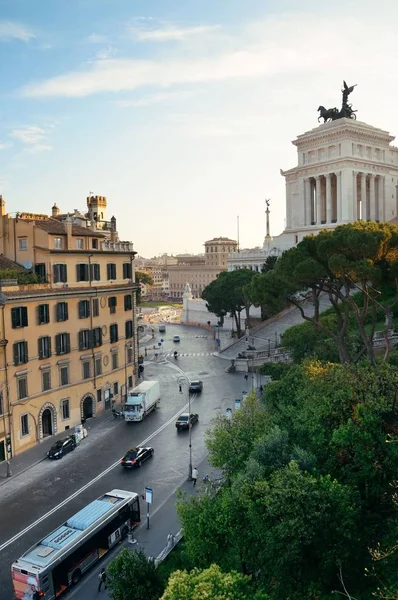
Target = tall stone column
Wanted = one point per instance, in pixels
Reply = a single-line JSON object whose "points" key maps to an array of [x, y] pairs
{"points": [[338, 196], [355, 202], [318, 190], [372, 197], [308, 201], [328, 197], [363, 197]]}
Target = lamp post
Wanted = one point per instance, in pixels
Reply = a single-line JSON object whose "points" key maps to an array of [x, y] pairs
{"points": [[181, 381], [127, 346]]}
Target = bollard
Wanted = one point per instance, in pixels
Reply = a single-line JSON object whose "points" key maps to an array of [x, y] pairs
{"points": [[130, 537]]}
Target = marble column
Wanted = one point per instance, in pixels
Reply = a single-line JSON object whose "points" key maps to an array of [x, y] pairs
{"points": [[328, 197], [338, 196], [308, 201], [355, 203], [318, 189], [363, 197], [372, 197]]}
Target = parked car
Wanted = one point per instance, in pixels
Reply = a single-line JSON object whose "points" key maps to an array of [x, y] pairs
{"points": [[196, 386], [62, 447], [176, 338], [136, 456], [186, 420]]}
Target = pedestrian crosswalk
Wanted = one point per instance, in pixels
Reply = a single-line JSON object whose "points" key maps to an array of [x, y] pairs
{"points": [[182, 354]]}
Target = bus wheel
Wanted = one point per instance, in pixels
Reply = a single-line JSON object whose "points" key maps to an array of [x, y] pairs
{"points": [[76, 576]]}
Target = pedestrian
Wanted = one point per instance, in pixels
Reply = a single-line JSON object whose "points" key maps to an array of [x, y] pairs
{"points": [[261, 389], [246, 376], [194, 475], [102, 579]]}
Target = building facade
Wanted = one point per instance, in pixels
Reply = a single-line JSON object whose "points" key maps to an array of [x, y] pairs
{"points": [[67, 341], [198, 272]]}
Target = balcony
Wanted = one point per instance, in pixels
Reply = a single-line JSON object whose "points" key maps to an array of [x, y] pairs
{"points": [[108, 246]]}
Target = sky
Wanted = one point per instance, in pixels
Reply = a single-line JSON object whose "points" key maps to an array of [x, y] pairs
{"points": [[181, 113]]}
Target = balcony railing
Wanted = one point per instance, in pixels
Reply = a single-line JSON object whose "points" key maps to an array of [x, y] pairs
{"points": [[109, 246]]}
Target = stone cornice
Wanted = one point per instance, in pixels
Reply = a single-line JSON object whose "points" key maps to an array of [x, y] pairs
{"points": [[343, 129], [337, 165]]}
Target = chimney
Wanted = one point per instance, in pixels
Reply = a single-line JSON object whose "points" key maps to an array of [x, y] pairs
{"points": [[55, 211], [68, 230]]}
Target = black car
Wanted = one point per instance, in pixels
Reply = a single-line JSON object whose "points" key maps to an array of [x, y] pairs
{"points": [[196, 386], [185, 420], [136, 456], [62, 447]]}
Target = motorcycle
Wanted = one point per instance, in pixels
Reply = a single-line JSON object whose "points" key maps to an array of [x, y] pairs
{"points": [[117, 413], [175, 355]]}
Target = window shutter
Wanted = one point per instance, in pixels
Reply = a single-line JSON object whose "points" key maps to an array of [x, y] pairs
{"points": [[67, 344], [39, 315], [66, 311], [78, 278], [49, 346], [80, 340], [65, 273], [90, 338], [81, 309], [25, 351], [24, 315], [98, 272], [40, 345], [14, 318], [16, 354], [58, 344]]}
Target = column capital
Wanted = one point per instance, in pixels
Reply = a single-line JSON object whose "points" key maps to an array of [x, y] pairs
{"points": [[328, 175], [317, 177]]}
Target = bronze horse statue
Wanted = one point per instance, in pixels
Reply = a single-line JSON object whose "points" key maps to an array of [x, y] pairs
{"points": [[328, 114]]}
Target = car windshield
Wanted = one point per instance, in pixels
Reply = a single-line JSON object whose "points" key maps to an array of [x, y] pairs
{"points": [[195, 382], [183, 418], [131, 454], [58, 445]]}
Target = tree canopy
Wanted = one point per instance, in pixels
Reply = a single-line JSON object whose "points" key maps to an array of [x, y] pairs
{"points": [[361, 256], [227, 295], [131, 576]]}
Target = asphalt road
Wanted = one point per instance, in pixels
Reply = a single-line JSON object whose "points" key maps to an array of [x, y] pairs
{"points": [[38, 501]]}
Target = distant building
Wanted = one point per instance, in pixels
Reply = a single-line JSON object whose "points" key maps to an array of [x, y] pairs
{"points": [[199, 271]]}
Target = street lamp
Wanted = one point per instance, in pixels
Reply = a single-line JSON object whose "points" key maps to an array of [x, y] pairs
{"points": [[181, 381], [127, 346]]}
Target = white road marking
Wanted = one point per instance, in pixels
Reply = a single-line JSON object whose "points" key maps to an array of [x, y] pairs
{"points": [[90, 483]]}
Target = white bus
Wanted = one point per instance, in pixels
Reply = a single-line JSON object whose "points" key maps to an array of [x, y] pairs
{"points": [[60, 559]]}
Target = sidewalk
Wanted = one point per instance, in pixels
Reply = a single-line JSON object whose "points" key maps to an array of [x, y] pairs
{"points": [[24, 461]]}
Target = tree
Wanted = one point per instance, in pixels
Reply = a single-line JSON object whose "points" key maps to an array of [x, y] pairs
{"points": [[354, 257], [142, 277], [131, 576], [227, 295], [269, 264], [211, 583]]}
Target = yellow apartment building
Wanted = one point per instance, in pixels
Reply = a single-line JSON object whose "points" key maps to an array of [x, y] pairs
{"points": [[68, 345]]}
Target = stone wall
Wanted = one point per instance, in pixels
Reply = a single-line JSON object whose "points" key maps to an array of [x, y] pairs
{"points": [[195, 313]]}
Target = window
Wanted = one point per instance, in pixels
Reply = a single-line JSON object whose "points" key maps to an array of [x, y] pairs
{"points": [[94, 244], [20, 353], [19, 317], [113, 333], [22, 384], [61, 311], [64, 375], [95, 272], [43, 314], [65, 409], [24, 424], [84, 309], [98, 366], [99, 395], [46, 380], [62, 343], [79, 244], [115, 360], [111, 271], [129, 329], [82, 272], [86, 369], [128, 302], [130, 381], [23, 243], [96, 337], [60, 273], [95, 307], [58, 243], [44, 344], [127, 270], [115, 388], [40, 270], [112, 301], [84, 339], [129, 354]]}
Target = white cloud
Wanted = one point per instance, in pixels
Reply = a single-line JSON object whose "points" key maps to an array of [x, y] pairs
{"points": [[31, 134], [39, 148], [155, 99], [10, 30], [170, 33], [97, 38], [4, 145], [106, 53]]}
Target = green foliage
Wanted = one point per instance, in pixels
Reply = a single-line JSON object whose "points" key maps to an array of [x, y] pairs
{"points": [[142, 277], [131, 576], [210, 583], [22, 277], [227, 295]]}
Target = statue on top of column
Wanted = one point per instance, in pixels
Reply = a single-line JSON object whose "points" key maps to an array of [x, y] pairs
{"points": [[331, 114]]}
